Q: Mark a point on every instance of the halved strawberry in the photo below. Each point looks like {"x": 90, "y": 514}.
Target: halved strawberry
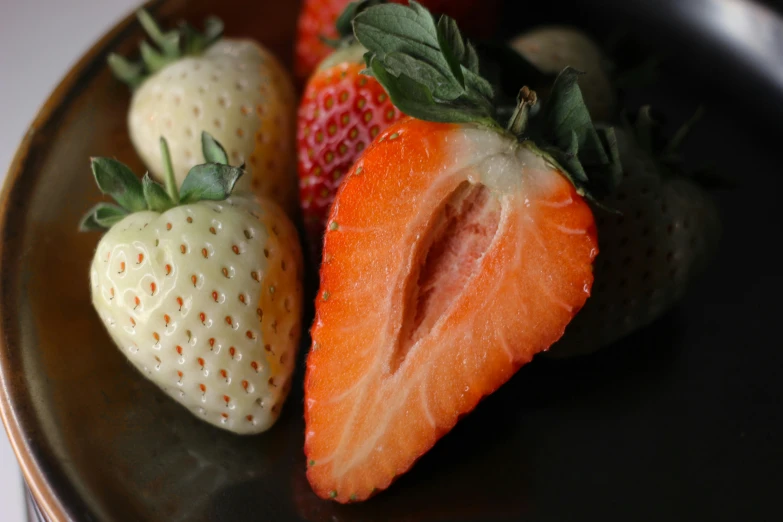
{"x": 455, "y": 251}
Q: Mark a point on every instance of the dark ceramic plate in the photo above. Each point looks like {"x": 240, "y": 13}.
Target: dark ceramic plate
{"x": 679, "y": 422}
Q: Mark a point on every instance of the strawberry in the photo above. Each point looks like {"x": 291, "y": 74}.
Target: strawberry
{"x": 200, "y": 289}
{"x": 552, "y": 48}
{"x": 341, "y": 112}
{"x": 234, "y": 89}
{"x": 665, "y": 231}
{"x": 317, "y": 22}
{"x": 456, "y": 249}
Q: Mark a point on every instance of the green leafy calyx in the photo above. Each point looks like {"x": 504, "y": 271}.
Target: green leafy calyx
{"x": 169, "y": 46}
{"x": 431, "y": 73}
{"x": 344, "y": 23}
{"x": 213, "y": 181}
{"x": 562, "y": 129}
{"x": 427, "y": 68}
{"x": 665, "y": 150}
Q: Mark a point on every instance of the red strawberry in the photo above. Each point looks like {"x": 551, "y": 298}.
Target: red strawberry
{"x": 341, "y": 112}
{"x": 456, "y": 250}
{"x": 317, "y": 19}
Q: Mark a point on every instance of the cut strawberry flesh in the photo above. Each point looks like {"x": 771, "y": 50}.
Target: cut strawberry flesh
{"x": 461, "y": 232}
{"x": 452, "y": 256}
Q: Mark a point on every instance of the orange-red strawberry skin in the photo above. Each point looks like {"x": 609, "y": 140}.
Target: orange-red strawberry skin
{"x": 317, "y": 18}
{"x": 341, "y": 112}
{"x": 377, "y": 396}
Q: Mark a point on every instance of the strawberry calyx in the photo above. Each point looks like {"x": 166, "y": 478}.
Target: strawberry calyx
{"x": 431, "y": 73}
{"x": 211, "y": 181}
{"x": 646, "y": 129}
{"x": 665, "y": 151}
{"x": 346, "y": 48}
{"x": 344, "y": 23}
{"x": 171, "y": 46}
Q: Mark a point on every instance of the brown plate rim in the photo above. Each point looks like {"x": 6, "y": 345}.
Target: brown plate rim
{"x": 16, "y": 190}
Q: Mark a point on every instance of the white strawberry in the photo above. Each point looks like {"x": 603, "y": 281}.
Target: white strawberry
{"x": 666, "y": 230}
{"x": 234, "y": 89}
{"x": 201, "y": 289}
{"x": 551, "y": 48}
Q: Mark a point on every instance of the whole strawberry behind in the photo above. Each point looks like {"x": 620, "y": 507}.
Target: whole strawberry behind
{"x": 341, "y": 112}
{"x": 234, "y": 89}
{"x": 659, "y": 228}
{"x": 456, "y": 249}
{"x": 664, "y": 232}
{"x": 200, "y": 289}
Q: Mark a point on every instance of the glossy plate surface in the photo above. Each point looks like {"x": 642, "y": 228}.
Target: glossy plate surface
{"x": 679, "y": 422}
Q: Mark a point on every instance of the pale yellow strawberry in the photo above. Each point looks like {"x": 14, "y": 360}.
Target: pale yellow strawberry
{"x": 236, "y": 90}
{"x": 202, "y": 294}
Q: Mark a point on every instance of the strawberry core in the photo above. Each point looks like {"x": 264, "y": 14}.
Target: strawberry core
{"x": 450, "y": 254}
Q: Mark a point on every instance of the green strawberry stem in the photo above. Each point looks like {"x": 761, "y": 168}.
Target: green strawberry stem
{"x": 211, "y": 181}
{"x": 518, "y": 122}
{"x": 171, "y": 180}
{"x": 431, "y": 73}
{"x": 171, "y": 46}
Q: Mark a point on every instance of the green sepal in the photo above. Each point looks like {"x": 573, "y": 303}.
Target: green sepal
{"x": 429, "y": 71}
{"x": 153, "y": 60}
{"x": 101, "y": 217}
{"x": 453, "y": 47}
{"x": 213, "y": 151}
{"x": 471, "y": 59}
{"x": 665, "y": 152}
{"x": 213, "y": 30}
{"x": 194, "y": 42}
{"x": 344, "y": 24}
{"x": 169, "y": 46}
{"x": 210, "y": 181}
{"x": 155, "y": 195}
{"x": 614, "y": 173}
{"x": 168, "y": 42}
{"x": 564, "y": 129}
{"x": 415, "y": 99}
{"x": 115, "y": 179}
{"x": 132, "y": 74}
